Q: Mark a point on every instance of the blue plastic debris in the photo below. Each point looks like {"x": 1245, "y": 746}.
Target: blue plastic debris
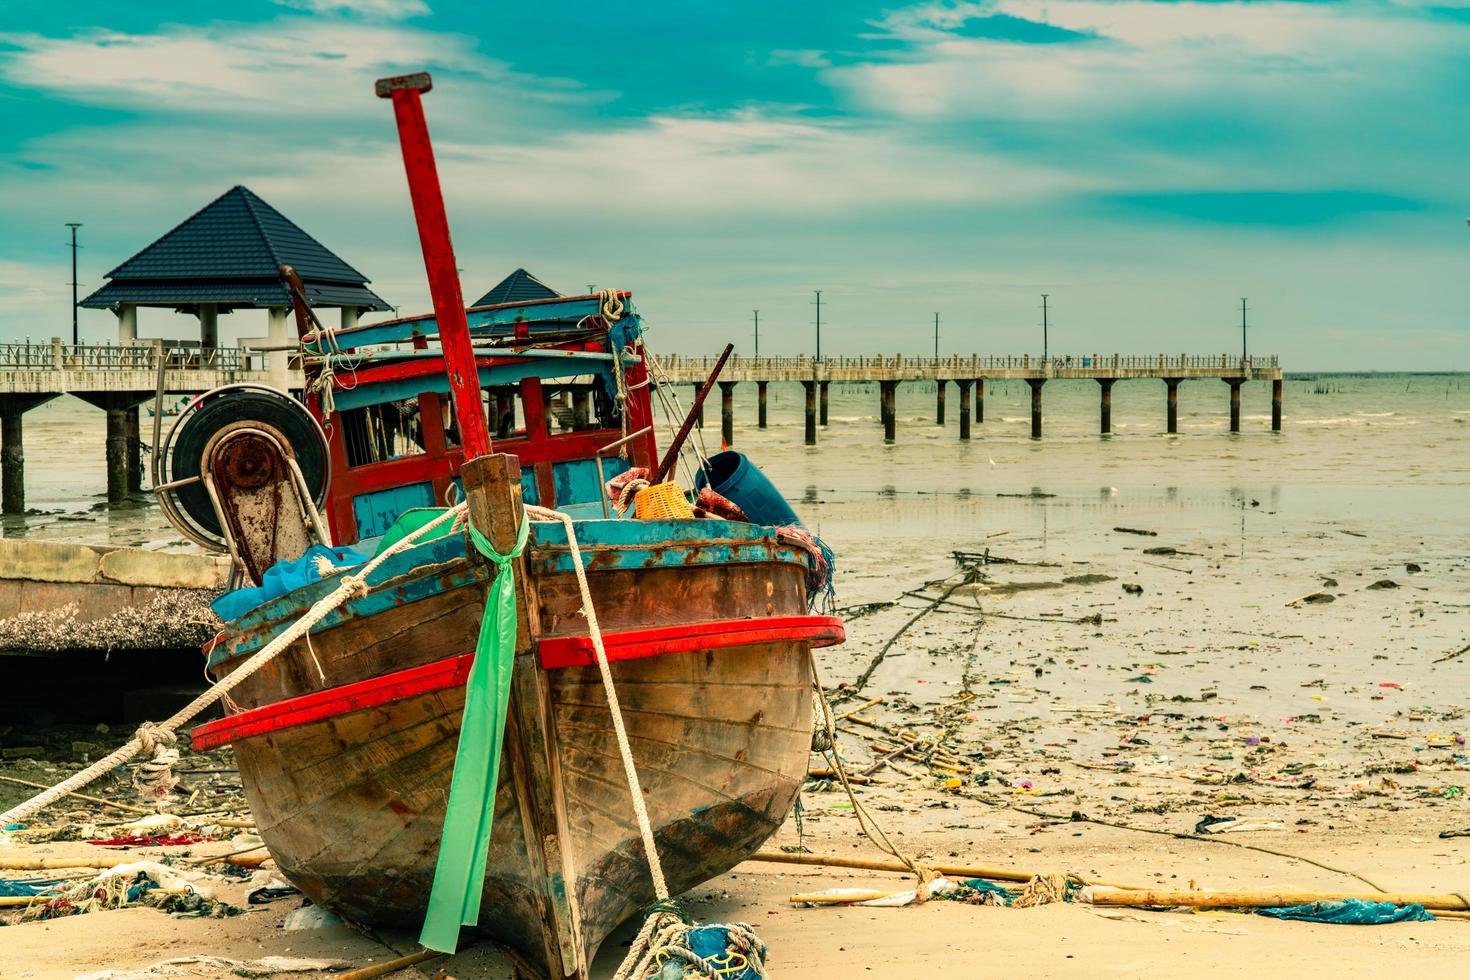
{"x": 1352, "y": 912}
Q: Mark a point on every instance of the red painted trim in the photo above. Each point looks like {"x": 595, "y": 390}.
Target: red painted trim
{"x": 577, "y": 651}
{"x": 321, "y": 705}
{"x": 570, "y": 651}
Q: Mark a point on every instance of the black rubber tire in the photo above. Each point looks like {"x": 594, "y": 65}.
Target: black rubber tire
{"x": 281, "y": 412}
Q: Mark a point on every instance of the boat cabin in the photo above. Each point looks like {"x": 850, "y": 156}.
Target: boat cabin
{"x": 563, "y": 381}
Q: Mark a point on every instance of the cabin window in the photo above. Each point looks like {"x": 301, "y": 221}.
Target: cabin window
{"x": 377, "y": 433}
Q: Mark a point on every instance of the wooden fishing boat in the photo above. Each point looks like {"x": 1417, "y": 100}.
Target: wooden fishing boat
{"x": 346, "y": 742}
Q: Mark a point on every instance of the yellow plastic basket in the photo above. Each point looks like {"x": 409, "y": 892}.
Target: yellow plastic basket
{"x": 664, "y": 502}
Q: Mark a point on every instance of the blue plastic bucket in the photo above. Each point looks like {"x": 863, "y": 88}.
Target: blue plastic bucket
{"x": 740, "y": 481}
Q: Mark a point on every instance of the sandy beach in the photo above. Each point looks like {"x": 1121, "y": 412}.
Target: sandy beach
{"x": 1092, "y": 692}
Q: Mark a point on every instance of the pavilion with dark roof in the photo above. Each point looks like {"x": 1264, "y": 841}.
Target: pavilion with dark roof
{"x": 225, "y": 258}
{"x": 518, "y": 287}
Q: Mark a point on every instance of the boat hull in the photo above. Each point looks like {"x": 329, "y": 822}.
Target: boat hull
{"x": 346, "y": 749}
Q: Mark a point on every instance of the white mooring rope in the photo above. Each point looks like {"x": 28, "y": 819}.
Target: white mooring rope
{"x": 664, "y": 934}
{"x": 158, "y": 737}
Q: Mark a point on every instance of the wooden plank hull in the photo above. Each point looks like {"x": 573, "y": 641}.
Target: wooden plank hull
{"x": 351, "y": 805}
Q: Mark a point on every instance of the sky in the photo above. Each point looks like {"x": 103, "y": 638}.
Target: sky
{"x": 1145, "y": 164}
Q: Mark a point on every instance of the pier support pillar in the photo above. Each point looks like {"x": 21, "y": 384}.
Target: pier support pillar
{"x": 133, "y": 449}
{"x": 964, "y": 387}
{"x": 1234, "y": 384}
{"x": 888, "y": 390}
{"x": 939, "y": 404}
{"x": 699, "y": 416}
{"x": 1106, "y": 421}
{"x": 12, "y": 453}
{"x": 124, "y": 455}
{"x": 760, "y": 400}
{"x": 1173, "y": 411}
{"x": 811, "y": 412}
{"x": 727, "y": 413}
{"x": 1276, "y": 405}
{"x": 1036, "y": 384}
{"x": 822, "y": 403}
{"x": 117, "y": 455}
{"x": 979, "y": 401}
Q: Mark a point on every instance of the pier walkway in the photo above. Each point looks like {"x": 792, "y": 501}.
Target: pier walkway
{"x": 117, "y": 379}
{"x": 970, "y": 372}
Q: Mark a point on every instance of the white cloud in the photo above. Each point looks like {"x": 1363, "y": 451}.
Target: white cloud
{"x": 287, "y": 69}
{"x": 1145, "y": 57}
{"x": 383, "y": 9}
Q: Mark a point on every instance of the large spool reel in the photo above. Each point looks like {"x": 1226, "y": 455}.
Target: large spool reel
{"x": 231, "y": 441}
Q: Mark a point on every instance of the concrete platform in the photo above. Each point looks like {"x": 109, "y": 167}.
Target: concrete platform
{"x": 57, "y": 596}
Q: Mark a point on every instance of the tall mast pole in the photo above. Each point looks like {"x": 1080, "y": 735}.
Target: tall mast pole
{"x": 406, "y": 91}
{"x": 757, "y": 314}
{"x": 936, "y": 335}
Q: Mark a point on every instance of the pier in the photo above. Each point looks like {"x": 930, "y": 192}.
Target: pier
{"x": 969, "y": 373}
{"x": 116, "y": 379}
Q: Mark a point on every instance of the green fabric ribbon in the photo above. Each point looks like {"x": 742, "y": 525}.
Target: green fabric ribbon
{"x": 460, "y": 874}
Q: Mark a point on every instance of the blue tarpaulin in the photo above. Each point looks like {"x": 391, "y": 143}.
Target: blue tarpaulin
{"x": 283, "y": 577}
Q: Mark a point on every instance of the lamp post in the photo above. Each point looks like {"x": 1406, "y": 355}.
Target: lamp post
{"x": 936, "y": 336}
{"x": 819, "y": 323}
{"x": 1242, "y": 332}
{"x": 75, "y": 336}
{"x": 1045, "y": 327}
{"x": 757, "y": 315}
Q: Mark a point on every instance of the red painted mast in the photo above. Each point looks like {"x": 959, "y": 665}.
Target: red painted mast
{"x": 428, "y": 209}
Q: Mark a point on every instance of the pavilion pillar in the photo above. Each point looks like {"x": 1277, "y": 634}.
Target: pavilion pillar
{"x": 727, "y": 413}
{"x": 1036, "y": 384}
{"x": 127, "y": 324}
{"x": 888, "y": 400}
{"x": 979, "y": 401}
{"x": 964, "y": 387}
{"x": 1173, "y": 406}
{"x": 1276, "y": 405}
{"x": 208, "y": 326}
{"x": 699, "y": 416}
{"x": 939, "y": 404}
{"x": 760, "y": 398}
{"x": 349, "y": 316}
{"x": 1106, "y": 412}
{"x": 822, "y": 402}
{"x": 1234, "y": 384}
{"x": 811, "y": 412}
{"x": 277, "y": 362}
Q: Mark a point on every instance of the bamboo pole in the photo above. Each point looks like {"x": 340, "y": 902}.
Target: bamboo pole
{"x": 251, "y": 858}
{"x": 846, "y": 899}
{"x": 389, "y": 966}
{"x": 1265, "y": 900}
{"x": 881, "y": 864}
{"x": 79, "y": 796}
